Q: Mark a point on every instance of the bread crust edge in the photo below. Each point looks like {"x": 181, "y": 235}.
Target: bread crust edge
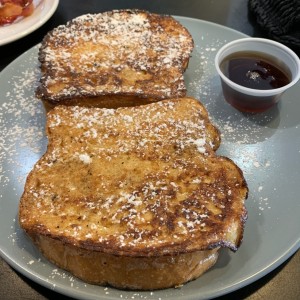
{"x": 124, "y": 272}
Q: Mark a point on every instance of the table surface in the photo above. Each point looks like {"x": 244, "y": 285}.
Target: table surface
{"x": 283, "y": 282}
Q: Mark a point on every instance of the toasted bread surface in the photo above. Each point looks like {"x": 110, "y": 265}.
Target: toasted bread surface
{"x": 126, "y": 272}
{"x": 136, "y": 182}
{"x": 121, "y": 53}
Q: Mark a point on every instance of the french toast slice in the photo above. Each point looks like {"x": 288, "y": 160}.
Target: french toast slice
{"x": 112, "y": 59}
{"x": 136, "y": 194}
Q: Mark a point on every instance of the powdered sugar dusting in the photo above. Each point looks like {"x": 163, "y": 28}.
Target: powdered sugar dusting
{"x": 112, "y": 178}
{"x": 22, "y": 143}
{"x": 21, "y": 125}
{"x": 246, "y": 138}
{"x": 133, "y": 52}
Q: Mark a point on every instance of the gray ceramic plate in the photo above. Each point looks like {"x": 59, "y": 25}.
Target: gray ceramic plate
{"x": 265, "y": 146}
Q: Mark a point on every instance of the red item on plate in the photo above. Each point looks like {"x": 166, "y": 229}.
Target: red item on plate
{"x": 10, "y": 10}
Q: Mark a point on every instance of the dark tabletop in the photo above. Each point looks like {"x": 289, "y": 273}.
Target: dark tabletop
{"x": 283, "y": 282}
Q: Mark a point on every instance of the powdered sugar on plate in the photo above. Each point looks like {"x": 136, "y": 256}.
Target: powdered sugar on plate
{"x": 22, "y": 138}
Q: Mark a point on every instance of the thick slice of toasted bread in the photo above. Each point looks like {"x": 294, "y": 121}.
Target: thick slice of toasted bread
{"x": 134, "y": 186}
{"x": 117, "y": 58}
{"x": 127, "y": 272}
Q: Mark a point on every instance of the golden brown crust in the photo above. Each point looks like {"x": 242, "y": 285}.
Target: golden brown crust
{"x": 134, "y": 197}
{"x": 122, "y": 52}
{"x": 125, "y": 272}
{"x": 107, "y": 101}
{"x": 141, "y": 181}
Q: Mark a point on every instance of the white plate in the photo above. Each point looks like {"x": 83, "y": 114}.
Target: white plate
{"x": 41, "y": 14}
{"x": 265, "y": 146}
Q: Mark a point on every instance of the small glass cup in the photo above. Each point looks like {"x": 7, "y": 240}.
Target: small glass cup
{"x": 256, "y": 100}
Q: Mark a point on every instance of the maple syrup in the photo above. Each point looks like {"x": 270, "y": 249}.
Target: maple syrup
{"x": 253, "y": 70}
